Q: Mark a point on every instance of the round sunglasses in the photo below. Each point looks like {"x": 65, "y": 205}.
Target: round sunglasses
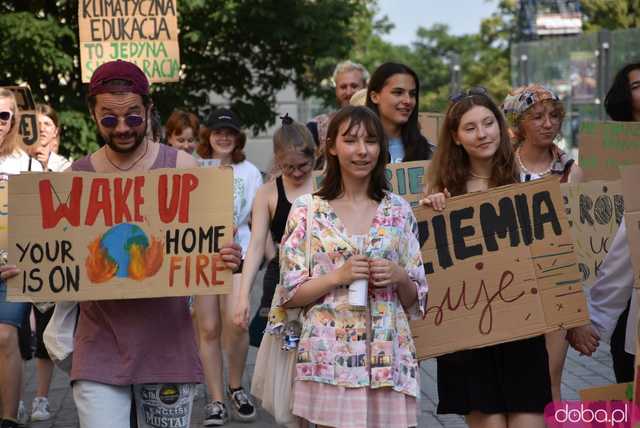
{"x": 5, "y": 116}
{"x": 131, "y": 120}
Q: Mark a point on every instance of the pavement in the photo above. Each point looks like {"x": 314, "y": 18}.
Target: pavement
{"x": 580, "y": 372}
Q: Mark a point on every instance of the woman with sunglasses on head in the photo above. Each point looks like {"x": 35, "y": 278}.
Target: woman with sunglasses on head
{"x": 182, "y": 130}
{"x": 505, "y": 385}
{"x": 354, "y": 229}
{"x": 394, "y": 93}
{"x": 13, "y": 160}
{"x": 222, "y": 138}
{"x": 535, "y": 115}
{"x": 293, "y": 151}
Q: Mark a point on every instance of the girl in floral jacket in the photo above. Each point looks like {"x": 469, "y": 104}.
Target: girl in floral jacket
{"x": 356, "y": 366}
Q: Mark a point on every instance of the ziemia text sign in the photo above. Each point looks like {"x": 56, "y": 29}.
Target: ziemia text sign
{"x": 501, "y": 266}
{"x": 84, "y": 236}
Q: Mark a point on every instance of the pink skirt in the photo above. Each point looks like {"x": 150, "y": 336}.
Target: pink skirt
{"x": 337, "y": 406}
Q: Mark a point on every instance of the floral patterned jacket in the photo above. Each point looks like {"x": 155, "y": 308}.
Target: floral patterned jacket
{"x": 341, "y": 344}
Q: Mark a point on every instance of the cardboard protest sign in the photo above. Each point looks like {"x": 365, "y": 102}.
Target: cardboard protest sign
{"x": 430, "y": 124}
{"x": 501, "y": 266}
{"x": 594, "y": 210}
{"x": 630, "y": 180}
{"x": 142, "y": 32}
{"x": 616, "y": 391}
{"x": 85, "y": 236}
{"x": 29, "y": 130}
{"x": 605, "y": 146}
{"x": 405, "y": 179}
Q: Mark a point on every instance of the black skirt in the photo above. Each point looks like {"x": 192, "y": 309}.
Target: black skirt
{"x": 506, "y": 378}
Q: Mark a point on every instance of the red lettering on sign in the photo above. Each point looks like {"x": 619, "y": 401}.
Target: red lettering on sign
{"x": 69, "y": 210}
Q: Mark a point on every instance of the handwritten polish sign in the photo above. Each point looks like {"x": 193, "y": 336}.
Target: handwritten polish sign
{"x": 605, "y": 146}
{"x": 405, "y": 179}
{"x": 29, "y": 130}
{"x": 84, "y": 236}
{"x": 594, "y": 210}
{"x": 139, "y": 31}
{"x": 501, "y": 266}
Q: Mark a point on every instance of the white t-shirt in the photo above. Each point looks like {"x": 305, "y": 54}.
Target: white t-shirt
{"x": 58, "y": 163}
{"x": 247, "y": 179}
{"x": 18, "y": 162}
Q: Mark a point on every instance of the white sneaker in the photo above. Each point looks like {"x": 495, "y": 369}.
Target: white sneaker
{"x": 23, "y": 416}
{"x": 40, "y": 409}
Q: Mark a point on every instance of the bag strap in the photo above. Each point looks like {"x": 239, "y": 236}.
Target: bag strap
{"x": 310, "y": 212}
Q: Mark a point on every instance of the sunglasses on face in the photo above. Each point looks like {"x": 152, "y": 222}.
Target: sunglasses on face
{"x": 5, "y": 115}
{"x": 459, "y": 96}
{"x": 131, "y": 120}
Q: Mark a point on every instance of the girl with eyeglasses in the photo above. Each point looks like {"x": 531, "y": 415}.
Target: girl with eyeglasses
{"x": 222, "y": 138}
{"x": 535, "y": 115}
{"x": 504, "y": 385}
{"x": 294, "y": 154}
{"x": 394, "y": 94}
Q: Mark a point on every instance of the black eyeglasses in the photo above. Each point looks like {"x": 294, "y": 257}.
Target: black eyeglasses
{"x": 5, "y": 115}
{"x": 476, "y": 90}
{"x": 132, "y": 121}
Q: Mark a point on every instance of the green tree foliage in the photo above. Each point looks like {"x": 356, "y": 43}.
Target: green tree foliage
{"x": 610, "y": 14}
{"x": 243, "y": 49}
{"x": 484, "y": 56}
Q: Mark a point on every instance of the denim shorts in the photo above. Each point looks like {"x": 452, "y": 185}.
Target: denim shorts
{"x": 11, "y": 313}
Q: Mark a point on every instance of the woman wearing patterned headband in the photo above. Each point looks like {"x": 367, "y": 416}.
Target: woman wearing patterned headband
{"x": 535, "y": 114}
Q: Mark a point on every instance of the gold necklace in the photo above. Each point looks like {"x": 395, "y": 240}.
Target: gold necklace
{"x": 146, "y": 148}
{"x": 481, "y": 177}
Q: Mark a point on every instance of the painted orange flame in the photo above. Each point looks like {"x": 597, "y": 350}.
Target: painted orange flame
{"x": 145, "y": 262}
{"x": 100, "y": 267}
{"x": 153, "y": 256}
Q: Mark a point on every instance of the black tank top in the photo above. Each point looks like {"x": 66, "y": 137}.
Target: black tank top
{"x": 283, "y": 207}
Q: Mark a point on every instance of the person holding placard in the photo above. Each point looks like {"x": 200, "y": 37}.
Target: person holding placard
{"x": 137, "y": 347}
{"x": 293, "y": 151}
{"x": 182, "y": 130}
{"x": 222, "y": 138}
{"x": 500, "y": 385}
{"x": 13, "y": 160}
{"x": 49, "y": 125}
{"x": 394, "y": 94}
{"x": 348, "y": 77}
{"x": 535, "y": 115}
{"x": 622, "y": 103}
{"x": 356, "y": 365}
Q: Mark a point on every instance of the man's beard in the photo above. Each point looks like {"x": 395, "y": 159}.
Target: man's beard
{"x": 138, "y": 139}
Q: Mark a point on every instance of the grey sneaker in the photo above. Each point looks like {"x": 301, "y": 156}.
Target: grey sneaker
{"x": 242, "y": 406}
{"x": 40, "y": 409}
{"x": 215, "y": 414}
